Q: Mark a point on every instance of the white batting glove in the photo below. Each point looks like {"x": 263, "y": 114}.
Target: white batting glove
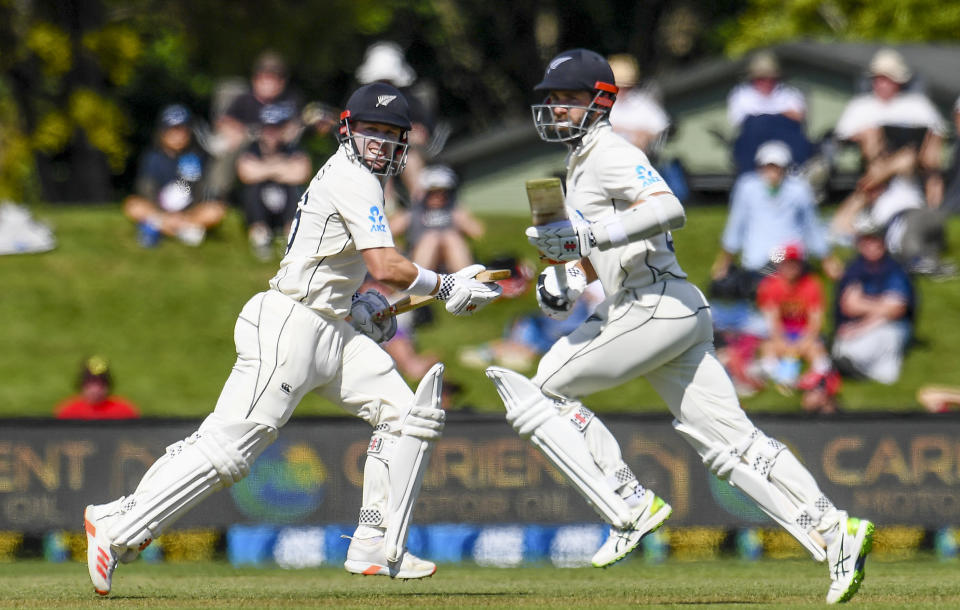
{"x": 363, "y": 316}
{"x": 464, "y": 295}
{"x": 558, "y": 288}
{"x": 563, "y": 240}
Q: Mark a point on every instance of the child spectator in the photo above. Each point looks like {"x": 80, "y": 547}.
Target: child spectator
{"x": 272, "y": 173}
{"x": 436, "y": 229}
{"x": 94, "y": 400}
{"x": 792, "y": 303}
{"x": 874, "y": 312}
{"x": 169, "y": 198}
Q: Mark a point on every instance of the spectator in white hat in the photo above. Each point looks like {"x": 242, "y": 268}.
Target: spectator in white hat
{"x": 636, "y": 114}
{"x": 384, "y": 61}
{"x": 900, "y": 135}
{"x": 769, "y": 208}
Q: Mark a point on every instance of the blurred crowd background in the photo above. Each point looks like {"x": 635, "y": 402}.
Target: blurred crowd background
{"x": 188, "y": 111}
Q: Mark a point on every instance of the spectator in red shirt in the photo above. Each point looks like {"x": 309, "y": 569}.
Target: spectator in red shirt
{"x": 94, "y": 400}
{"x": 792, "y": 304}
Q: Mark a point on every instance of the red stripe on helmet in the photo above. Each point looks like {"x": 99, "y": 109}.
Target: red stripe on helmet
{"x": 602, "y": 86}
{"x": 345, "y": 115}
{"x": 606, "y": 102}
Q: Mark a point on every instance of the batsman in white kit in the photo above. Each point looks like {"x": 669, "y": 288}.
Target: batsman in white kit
{"x": 653, "y": 323}
{"x": 311, "y": 331}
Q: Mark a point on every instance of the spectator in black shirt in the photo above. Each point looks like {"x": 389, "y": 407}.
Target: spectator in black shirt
{"x": 171, "y": 197}
{"x": 272, "y": 172}
{"x": 237, "y": 126}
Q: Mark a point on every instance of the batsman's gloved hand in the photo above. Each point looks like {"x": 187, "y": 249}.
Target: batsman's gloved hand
{"x": 563, "y": 240}
{"x": 363, "y": 316}
{"x": 464, "y": 295}
{"x": 558, "y": 288}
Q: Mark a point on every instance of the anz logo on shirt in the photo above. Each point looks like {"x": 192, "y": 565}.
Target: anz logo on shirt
{"x": 376, "y": 220}
{"x": 647, "y": 176}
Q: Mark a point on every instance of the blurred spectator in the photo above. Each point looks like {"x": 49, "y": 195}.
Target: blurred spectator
{"x": 384, "y": 61}
{"x": 94, "y": 400}
{"x": 792, "y": 303}
{"x": 236, "y": 127}
{"x": 272, "y": 172}
{"x": 530, "y": 336}
{"x": 769, "y": 208}
{"x": 874, "y": 312}
{"x": 951, "y": 197}
{"x": 171, "y": 186}
{"x": 436, "y": 228}
{"x": 636, "y": 115}
{"x": 764, "y": 108}
{"x": 639, "y": 117}
{"x": 939, "y": 398}
{"x": 899, "y": 133}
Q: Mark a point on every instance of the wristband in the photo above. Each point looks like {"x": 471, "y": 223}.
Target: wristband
{"x": 424, "y": 284}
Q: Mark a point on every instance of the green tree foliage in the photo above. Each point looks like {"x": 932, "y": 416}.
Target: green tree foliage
{"x": 81, "y": 81}
{"x": 766, "y": 22}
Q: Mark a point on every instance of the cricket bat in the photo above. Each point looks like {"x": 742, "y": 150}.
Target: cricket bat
{"x": 409, "y": 303}
{"x": 545, "y": 196}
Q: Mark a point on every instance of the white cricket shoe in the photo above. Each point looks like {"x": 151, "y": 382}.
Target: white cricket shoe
{"x": 367, "y": 556}
{"x": 101, "y": 559}
{"x": 650, "y": 515}
{"x": 847, "y": 556}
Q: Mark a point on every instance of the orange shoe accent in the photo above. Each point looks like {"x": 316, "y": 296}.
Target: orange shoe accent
{"x": 372, "y": 570}
{"x": 145, "y": 544}
{"x": 91, "y": 529}
{"x": 99, "y": 592}
{"x": 102, "y": 571}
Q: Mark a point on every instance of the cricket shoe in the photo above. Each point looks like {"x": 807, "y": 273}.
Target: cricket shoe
{"x": 650, "y": 515}
{"x": 367, "y": 556}
{"x": 847, "y": 556}
{"x": 101, "y": 558}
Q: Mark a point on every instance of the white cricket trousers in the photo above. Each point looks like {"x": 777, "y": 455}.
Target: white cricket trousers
{"x": 285, "y": 349}
{"x": 663, "y": 332}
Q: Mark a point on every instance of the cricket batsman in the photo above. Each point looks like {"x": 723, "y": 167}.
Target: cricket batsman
{"x": 653, "y": 323}
{"x": 296, "y": 338}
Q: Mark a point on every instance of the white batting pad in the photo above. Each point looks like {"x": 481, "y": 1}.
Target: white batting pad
{"x": 408, "y": 459}
{"x": 561, "y": 440}
{"x": 216, "y": 456}
{"x": 726, "y": 462}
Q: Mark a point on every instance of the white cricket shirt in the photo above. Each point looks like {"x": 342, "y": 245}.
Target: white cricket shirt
{"x": 908, "y": 109}
{"x": 340, "y": 214}
{"x": 606, "y": 174}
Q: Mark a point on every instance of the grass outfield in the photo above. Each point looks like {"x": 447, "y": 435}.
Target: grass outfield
{"x": 922, "y": 583}
{"x": 165, "y": 317}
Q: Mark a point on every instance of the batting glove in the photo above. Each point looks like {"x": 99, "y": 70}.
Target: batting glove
{"x": 558, "y": 288}
{"x": 464, "y": 295}
{"x": 363, "y": 316}
{"x": 562, "y": 240}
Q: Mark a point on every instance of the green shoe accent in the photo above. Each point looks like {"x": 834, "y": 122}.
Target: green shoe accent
{"x": 860, "y": 572}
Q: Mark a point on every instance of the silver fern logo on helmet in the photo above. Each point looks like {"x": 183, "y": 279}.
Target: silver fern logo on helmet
{"x": 556, "y": 62}
{"x": 383, "y": 100}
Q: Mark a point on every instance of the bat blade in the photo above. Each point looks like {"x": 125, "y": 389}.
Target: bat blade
{"x": 545, "y": 196}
